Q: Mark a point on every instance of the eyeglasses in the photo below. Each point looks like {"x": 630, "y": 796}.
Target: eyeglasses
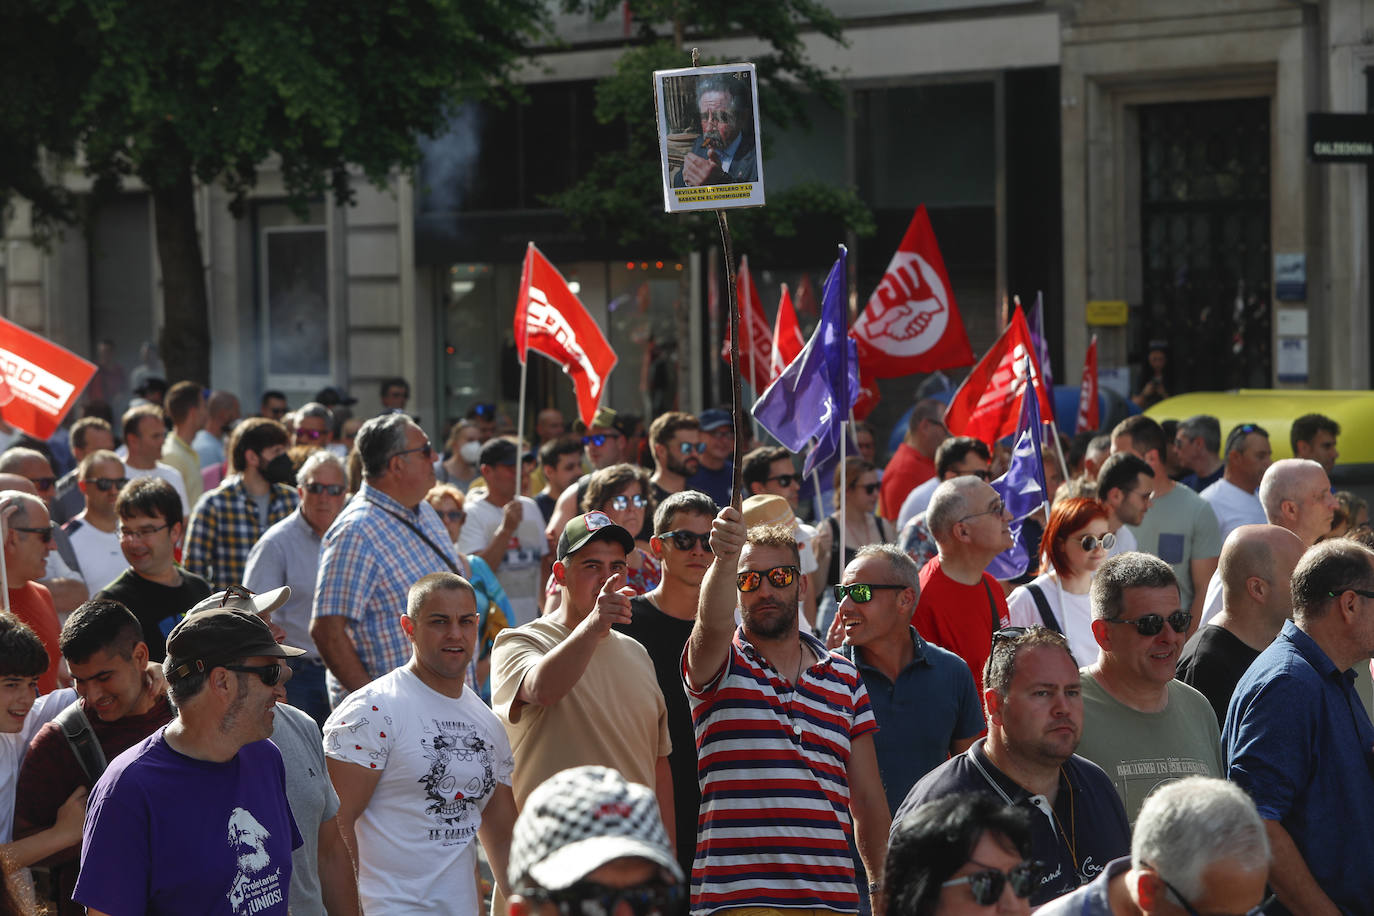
{"x": 587, "y": 898}
{"x": 778, "y": 577}
{"x": 622, "y": 502}
{"x": 861, "y": 592}
{"x": 1192, "y": 911}
{"x": 998, "y": 510}
{"x": 140, "y": 534}
{"x": 270, "y": 674}
{"x": 1152, "y": 624}
{"x": 599, "y": 439}
{"x": 688, "y": 447}
{"x": 44, "y": 534}
{"x": 1090, "y": 543}
{"x": 684, "y": 540}
{"x": 313, "y": 434}
{"x": 719, "y": 117}
{"x": 782, "y": 480}
{"x": 106, "y": 484}
{"x": 333, "y": 489}
{"x": 42, "y": 484}
{"x": 452, "y": 515}
{"x": 1341, "y": 591}
{"x": 426, "y": 450}
{"x": 986, "y": 886}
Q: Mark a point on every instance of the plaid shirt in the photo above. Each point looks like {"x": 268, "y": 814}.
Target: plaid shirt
{"x": 224, "y": 527}
{"x": 368, "y": 562}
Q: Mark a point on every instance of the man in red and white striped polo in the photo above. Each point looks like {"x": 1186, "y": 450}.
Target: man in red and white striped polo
{"x": 784, "y": 742}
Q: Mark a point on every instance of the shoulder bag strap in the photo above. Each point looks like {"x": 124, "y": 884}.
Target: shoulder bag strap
{"x": 76, "y": 728}
{"x": 992, "y": 606}
{"x": 1043, "y": 604}
{"x": 453, "y": 568}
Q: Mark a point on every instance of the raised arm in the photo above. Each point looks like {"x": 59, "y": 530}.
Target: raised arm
{"x": 709, "y": 645}
{"x": 554, "y": 675}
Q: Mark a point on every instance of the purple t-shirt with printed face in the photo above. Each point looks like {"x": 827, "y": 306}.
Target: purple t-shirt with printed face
{"x": 169, "y": 834}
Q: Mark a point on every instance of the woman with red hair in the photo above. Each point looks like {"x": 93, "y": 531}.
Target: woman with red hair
{"x": 1075, "y": 543}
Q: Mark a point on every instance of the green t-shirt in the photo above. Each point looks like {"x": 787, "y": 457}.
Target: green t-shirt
{"x": 1179, "y": 528}
{"x": 1141, "y": 751}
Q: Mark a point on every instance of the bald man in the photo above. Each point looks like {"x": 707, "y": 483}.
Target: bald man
{"x": 1255, "y": 569}
{"x": 1295, "y": 494}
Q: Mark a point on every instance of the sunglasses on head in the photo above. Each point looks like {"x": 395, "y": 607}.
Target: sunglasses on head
{"x": 986, "y": 886}
{"x": 778, "y": 577}
{"x": 588, "y": 898}
{"x": 270, "y": 674}
{"x": 1090, "y": 543}
{"x": 623, "y": 502}
{"x": 333, "y": 489}
{"x": 106, "y": 484}
{"x": 688, "y": 447}
{"x": 684, "y": 540}
{"x": 783, "y": 480}
{"x": 1152, "y": 624}
{"x": 860, "y": 592}
{"x": 44, "y": 534}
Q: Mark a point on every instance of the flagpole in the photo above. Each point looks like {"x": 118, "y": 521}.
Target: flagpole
{"x": 520, "y": 411}
{"x": 5, "y": 512}
{"x": 1059, "y": 449}
{"x": 736, "y": 394}
{"x": 749, "y": 347}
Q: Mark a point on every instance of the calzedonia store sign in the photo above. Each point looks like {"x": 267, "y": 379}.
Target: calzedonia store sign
{"x": 1340, "y": 137}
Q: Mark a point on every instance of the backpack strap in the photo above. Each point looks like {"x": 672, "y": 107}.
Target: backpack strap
{"x": 76, "y": 728}
{"x": 1041, "y": 602}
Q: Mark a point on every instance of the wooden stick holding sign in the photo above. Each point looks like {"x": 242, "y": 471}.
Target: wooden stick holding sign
{"x": 708, "y": 130}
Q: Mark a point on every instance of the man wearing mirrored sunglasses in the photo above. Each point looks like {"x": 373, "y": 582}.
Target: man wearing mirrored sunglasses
{"x": 1198, "y": 847}
{"x": 94, "y": 533}
{"x": 810, "y": 727}
{"x": 1140, "y": 724}
{"x": 141, "y": 850}
{"x": 675, "y": 439}
{"x": 288, "y": 553}
{"x": 1298, "y": 739}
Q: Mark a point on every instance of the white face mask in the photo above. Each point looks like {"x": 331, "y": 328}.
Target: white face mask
{"x": 470, "y": 452}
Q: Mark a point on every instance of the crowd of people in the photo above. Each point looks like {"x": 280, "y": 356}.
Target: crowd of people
{"x": 576, "y": 654}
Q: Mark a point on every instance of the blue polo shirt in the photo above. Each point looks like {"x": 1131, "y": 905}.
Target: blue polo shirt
{"x": 1297, "y": 738}
{"x": 932, "y": 703}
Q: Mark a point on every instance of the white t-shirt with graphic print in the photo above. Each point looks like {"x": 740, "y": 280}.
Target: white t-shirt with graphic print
{"x": 441, "y": 758}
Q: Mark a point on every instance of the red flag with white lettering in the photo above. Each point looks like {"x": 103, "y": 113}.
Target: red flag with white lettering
{"x": 40, "y": 380}
{"x": 987, "y": 405}
{"x": 1088, "y": 420}
{"x": 755, "y": 336}
{"x": 550, "y": 320}
{"x": 787, "y": 336}
{"x": 911, "y": 323}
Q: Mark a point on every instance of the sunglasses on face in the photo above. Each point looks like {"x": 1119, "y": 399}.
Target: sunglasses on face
{"x": 869, "y": 488}
{"x": 587, "y": 898}
{"x": 683, "y": 540}
{"x": 44, "y": 534}
{"x": 277, "y": 412}
{"x": 598, "y": 440}
{"x": 688, "y": 447}
{"x": 1090, "y": 543}
{"x": 1363, "y": 593}
{"x": 333, "y": 489}
{"x": 783, "y": 480}
{"x": 426, "y": 450}
{"x": 106, "y": 484}
{"x": 986, "y": 886}
{"x": 270, "y": 674}
{"x": 623, "y": 502}
{"x": 1152, "y": 624}
{"x": 861, "y": 592}
{"x": 453, "y": 515}
{"x": 1192, "y": 911}
{"x": 312, "y": 434}
{"x": 43, "y": 484}
{"x": 778, "y": 577}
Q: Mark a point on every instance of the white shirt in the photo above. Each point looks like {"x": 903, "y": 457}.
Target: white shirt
{"x": 1211, "y": 604}
{"x": 519, "y": 569}
{"x": 167, "y": 473}
{"x": 441, "y": 760}
{"x": 13, "y": 746}
{"x": 1073, "y": 613}
{"x": 1233, "y": 506}
{"x": 1125, "y": 543}
{"x": 98, "y": 553}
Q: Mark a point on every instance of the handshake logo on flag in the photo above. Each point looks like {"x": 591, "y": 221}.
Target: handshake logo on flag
{"x": 910, "y": 307}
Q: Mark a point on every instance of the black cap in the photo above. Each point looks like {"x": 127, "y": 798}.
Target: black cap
{"x": 499, "y": 451}
{"x": 331, "y": 397}
{"x": 206, "y": 638}
{"x": 714, "y": 418}
{"x": 584, "y": 529}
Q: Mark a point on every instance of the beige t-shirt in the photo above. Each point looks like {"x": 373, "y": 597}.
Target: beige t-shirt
{"x": 613, "y": 717}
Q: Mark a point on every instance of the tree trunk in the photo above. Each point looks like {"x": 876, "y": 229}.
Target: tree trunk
{"x": 184, "y": 343}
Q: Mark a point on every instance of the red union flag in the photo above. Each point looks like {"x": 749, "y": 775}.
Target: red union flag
{"x": 911, "y": 323}
{"x": 1088, "y": 420}
{"x": 550, "y": 320}
{"x": 787, "y": 336}
{"x": 755, "y": 336}
{"x": 987, "y": 405}
{"x": 40, "y": 380}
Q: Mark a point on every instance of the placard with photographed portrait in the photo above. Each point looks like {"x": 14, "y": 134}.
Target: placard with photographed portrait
{"x": 708, "y": 132}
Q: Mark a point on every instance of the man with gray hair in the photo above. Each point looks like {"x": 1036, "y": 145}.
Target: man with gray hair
{"x": 961, "y": 604}
{"x": 288, "y": 553}
{"x": 386, "y": 539}
{"x": 28, "y": 541}
{"x": 422, "y": 766}
{"x": 1299, "y": 740}
{"x": 314, "y": 426}
{"x": 1140, "y": 724}
{"x": 725, "y": 151}
{"x": 1197, "y": 441}
{"x": 922, "y": 696}
{"x": 1296, "y": 495}
{"x": 1199, "y": 847}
